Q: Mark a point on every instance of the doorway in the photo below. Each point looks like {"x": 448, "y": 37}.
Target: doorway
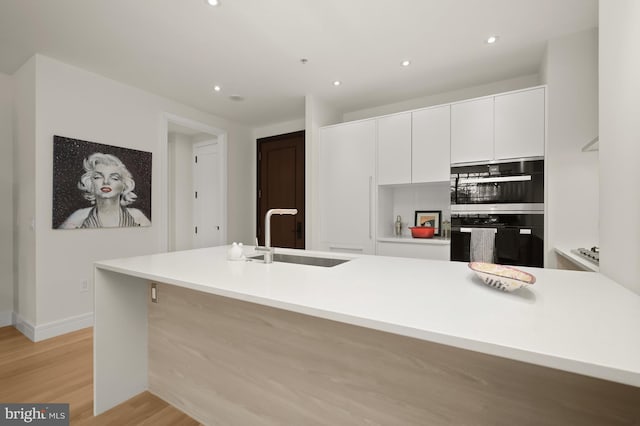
{"x": 281, "y": 174}
{"x": 185, "y": 212}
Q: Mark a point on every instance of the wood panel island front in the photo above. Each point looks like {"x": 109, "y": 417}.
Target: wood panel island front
{"x": 375, "y": 340}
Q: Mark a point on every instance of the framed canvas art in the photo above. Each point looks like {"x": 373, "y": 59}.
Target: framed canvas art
{"x": 99, "y": 186}
{"x": 429, "y": 218}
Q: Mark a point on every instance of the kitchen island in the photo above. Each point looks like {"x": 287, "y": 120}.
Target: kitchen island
{"x": 376, "y": 339}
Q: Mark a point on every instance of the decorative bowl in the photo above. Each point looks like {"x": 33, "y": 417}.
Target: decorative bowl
{"x": 422, "y": 231}
{"x": 502, "y": 277}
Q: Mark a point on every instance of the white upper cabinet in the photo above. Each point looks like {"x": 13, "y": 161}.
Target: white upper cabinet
{"x": 519, "y": 124}
{"x": 472, "y": 131}
{"x": 431, "y": 135}
{"x": 501, "y": 127}
{"x": 414, "y": 147}
{"x": 346, "y": 194}
{"x": 394, "y": 149}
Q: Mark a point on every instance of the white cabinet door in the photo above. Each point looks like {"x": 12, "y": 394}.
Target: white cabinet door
{"x": 394, "y": 149}
{"x": 431, "y": 144}
{"x": 346, "y": 187}
{"x": 519, "y": 124}
{"x": 472, "y": 131}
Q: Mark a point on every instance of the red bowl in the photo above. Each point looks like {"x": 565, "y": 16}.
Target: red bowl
{"x": 422, "y": 231}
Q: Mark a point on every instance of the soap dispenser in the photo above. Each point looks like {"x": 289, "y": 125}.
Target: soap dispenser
{"x": 235, "y": 252}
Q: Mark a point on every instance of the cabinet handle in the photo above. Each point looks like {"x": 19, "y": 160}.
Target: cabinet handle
{"x": 346, "y": 247}
{"x": 370, "y": 208}
{"x": 495, "y": 179}
{"x": 522, "y": 231}
{"x": 299, "y": 230}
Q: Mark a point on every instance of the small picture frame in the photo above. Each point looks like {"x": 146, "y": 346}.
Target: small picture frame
{"x": 429, "y": 218}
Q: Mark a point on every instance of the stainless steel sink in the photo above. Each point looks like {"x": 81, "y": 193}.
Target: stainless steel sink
{"x": 302, "y": 260}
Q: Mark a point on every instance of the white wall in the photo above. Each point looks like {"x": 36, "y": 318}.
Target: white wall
{"x": 446, "y": 97}
{"x": 241, "y": 184}
{"x": 78, "y": 104}
{"x": 24, "y": 243}
{"x": 279, "y": 128}
{"x": 572, "y": 110}
{"x": 620, "y": 142}
{"x": 180, "y": 192}
{"x": 171, "y": 190}
{"x": 6, "y": 194}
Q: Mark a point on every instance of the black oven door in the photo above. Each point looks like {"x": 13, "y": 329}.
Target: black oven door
{"x": 504, "y": 183}
{"x": 519, "y": 237}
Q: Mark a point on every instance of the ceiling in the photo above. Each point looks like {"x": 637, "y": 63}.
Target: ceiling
{"x": 180, "y": 49}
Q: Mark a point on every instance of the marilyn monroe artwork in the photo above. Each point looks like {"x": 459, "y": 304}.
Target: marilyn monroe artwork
{"x": 100, "y": 186}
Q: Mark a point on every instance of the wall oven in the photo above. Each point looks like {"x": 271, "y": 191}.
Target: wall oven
{"x": 507, "y": 198}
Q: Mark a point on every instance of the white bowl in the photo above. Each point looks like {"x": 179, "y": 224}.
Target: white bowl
{"x": 502, "y": 277}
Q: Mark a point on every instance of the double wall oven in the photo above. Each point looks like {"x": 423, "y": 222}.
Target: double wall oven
{"x": 507, "y": 198}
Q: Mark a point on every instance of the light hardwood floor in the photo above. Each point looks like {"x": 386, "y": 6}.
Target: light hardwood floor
{"x": 60, "y": 370}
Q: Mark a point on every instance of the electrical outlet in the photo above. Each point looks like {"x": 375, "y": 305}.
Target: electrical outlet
{"x": 84, "y": 286}
{"x": 154, "y": 293}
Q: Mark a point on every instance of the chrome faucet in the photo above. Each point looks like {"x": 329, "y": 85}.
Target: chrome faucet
{"x": 267, "y": 249}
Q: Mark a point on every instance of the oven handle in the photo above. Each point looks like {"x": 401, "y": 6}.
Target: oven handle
{"x": 503, "y": 208}
{"x": 523, "y": 231}
{"x": 495, "y": 179}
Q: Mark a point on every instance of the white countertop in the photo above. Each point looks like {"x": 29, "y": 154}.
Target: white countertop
{"x": 579, "y": 261}
{"x": 581, "y": 322}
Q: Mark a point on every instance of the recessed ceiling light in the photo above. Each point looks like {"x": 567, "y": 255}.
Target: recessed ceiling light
{"x": 406, "y": 63}
{"x": 217, "y": 88}
{"x": 237, "y": 98}
{"x": 492, "y": 39}
{"x": 337, "y": 83}
{"x": 212, "y": 2}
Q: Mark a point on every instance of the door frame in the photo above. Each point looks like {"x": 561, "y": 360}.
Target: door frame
{"x": 305, "y": 188}
{"x": 163, "y": 151}
{"x": 223, "y": 186}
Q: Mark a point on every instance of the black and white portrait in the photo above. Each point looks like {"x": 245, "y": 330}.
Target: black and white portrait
{"x": 99, "y": 186}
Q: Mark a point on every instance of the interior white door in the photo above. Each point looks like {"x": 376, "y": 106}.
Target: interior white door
{"x": 208, "y": 195}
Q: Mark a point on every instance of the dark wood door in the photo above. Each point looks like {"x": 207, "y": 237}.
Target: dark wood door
{"x": 281, "y": 185}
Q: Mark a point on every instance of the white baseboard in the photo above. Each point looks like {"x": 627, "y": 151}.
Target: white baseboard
{"x": 24, "y": 326}
{"x": 6, "y": 318}
{"x": 54, "y": 328}
{"x": 67, "y": 325}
